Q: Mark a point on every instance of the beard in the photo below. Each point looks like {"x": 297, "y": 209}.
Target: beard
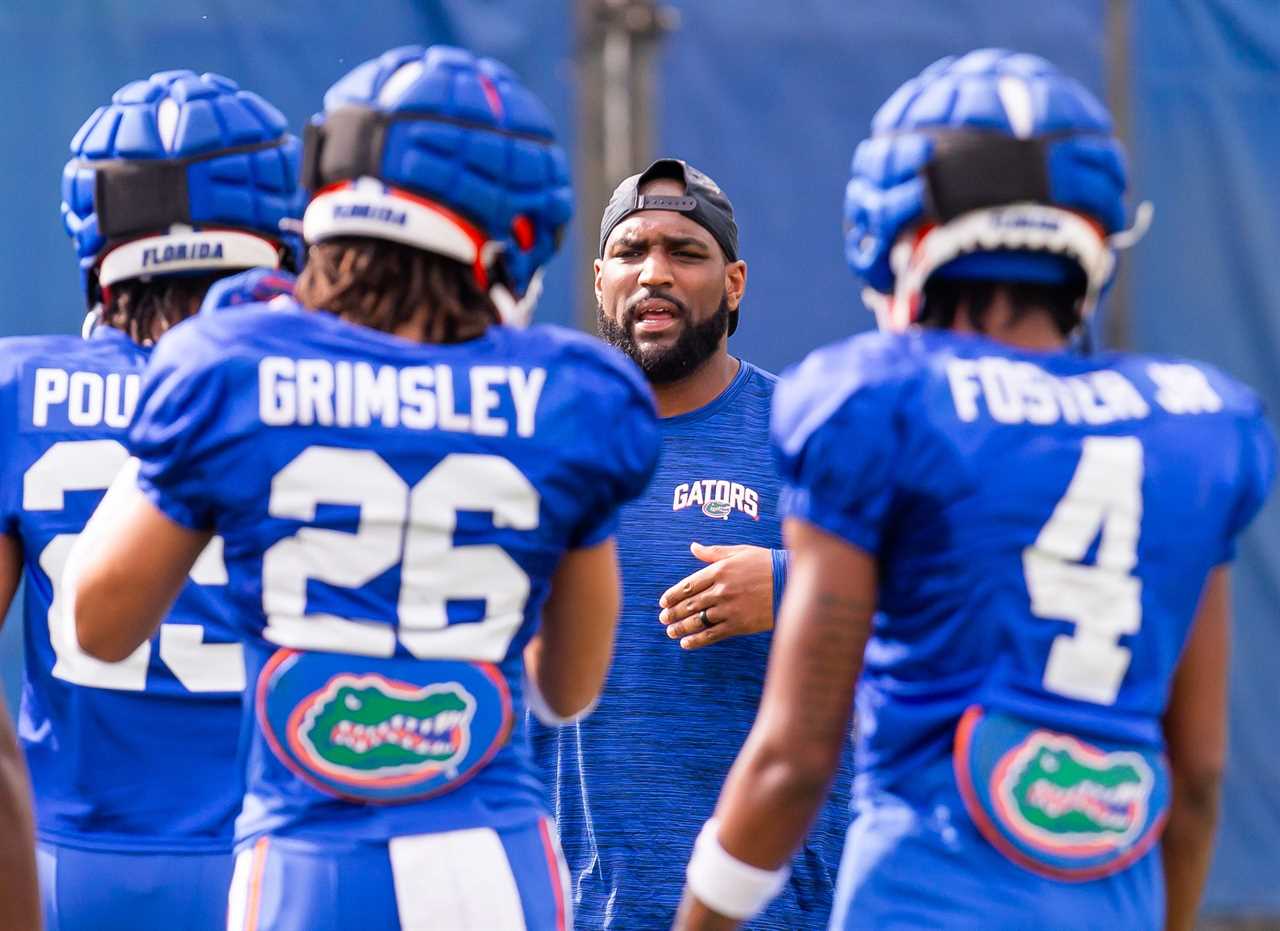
{"x": 662, "y": 365}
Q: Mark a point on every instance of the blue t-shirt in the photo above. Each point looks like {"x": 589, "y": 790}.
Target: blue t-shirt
{"x": 1043, "y": 523}
{"x": 393, "y": 514}
{"x": 634, "y": 782}
{"x": 137, "y": 755}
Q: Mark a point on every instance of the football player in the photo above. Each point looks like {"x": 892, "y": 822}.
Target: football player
{"x": 406, "y": 487}
{"x": 180, "y": 180}
{"x": 1043, "y": 538}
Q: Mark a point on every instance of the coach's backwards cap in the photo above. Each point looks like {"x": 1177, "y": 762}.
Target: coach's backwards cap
{"x": 703, "y": 202}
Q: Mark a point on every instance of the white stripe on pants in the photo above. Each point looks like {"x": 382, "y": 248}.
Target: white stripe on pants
{"x": 462, "y": 874}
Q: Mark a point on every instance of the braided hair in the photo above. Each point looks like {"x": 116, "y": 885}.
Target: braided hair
{"x": 944, "y": 296}
{"x": 144, "y": 308}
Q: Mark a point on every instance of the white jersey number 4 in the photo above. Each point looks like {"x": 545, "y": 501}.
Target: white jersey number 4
{"x": 1103, "y": 599}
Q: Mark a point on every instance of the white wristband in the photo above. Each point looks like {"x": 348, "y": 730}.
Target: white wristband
{"x": 727, "y": 885}
{"x": 538, "y": 706}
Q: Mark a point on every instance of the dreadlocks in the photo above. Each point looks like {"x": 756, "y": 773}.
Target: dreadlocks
{"x": 145, "y": 308}
{"x": 384, "y": 285}
{"x": 944, "y": 296}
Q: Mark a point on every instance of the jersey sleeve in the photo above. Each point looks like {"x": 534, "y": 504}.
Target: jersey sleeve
{"x": 838, "y": 442}
{"x": 255, "y": 286}
{"x": 1255, "y": 475}
{"x": 176, "y": 424}
{"x": 624, "y": 424}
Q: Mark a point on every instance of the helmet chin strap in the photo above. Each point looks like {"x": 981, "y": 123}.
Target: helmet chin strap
{"x": 879, "y": 305}
{"x": 92, "y": 320}
{"x": 1142, "y": 219}
{"x": 517, "y": 312}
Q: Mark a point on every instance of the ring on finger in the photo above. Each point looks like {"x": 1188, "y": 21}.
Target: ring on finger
{"x": 706, "y": 621}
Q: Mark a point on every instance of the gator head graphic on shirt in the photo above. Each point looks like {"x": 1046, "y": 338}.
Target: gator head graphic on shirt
{"x": 366, "y": 727}
{"x": 1065, "y": 794}
{"x": 382, "y": 730}
{"x": 1056, "y": 804}
{"x": 717, "y": 509}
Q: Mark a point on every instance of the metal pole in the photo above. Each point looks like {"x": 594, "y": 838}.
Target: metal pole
{"x": 619, "y": 136}
{"x": 617, "y": 41}
{"x": 1117, "y": 327}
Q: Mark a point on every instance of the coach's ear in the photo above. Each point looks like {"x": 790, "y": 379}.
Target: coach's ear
{"x": 598, "y": 266}
{"x": 735, "y": 282}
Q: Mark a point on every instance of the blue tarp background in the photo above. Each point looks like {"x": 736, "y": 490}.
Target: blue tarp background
{"x": 1206, "y": 122}
{"x": 64, "y": 58}
{"x": 770, "y": 99}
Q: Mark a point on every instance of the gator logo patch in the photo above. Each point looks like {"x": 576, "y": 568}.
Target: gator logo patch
{"x": 717, "y": 509}
{"x": 1054, "y": 804}
{"x": 382, "y": 730}
{"x": 1065, "y": 796}
{"x": 368, "y": 728}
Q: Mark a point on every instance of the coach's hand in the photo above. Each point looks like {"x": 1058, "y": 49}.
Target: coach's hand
{"x": 735, "y": 590}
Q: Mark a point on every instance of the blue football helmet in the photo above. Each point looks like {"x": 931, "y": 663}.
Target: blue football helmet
{"x": 439, "y": 149}
{"x": 181, "y": 173}
{"x": 992, "y": 165}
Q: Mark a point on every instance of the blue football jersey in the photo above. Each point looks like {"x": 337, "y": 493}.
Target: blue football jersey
{"x": 393, "y": 514}
{"x": 1043, "y": 523}
{"x": 138, "y": 755}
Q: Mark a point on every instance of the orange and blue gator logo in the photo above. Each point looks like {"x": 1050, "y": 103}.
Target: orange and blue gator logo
{"x": 1055, "y": 804}
{"x": 382, "y": 730}
{"x": 368, "y": 730}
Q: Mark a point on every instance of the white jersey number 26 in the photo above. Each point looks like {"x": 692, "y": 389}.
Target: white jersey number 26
{"x": 1103, "y": 599}
{"x": 413, "y": 527}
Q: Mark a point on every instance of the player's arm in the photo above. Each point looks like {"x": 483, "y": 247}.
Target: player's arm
{"x": 569, "y": 657}
{"x": 10, "y": 571}
{"x": 782, "y": 775}
{"x": 126, "y": 570}
{"x": 19, "y": 897}
{"x": 132, "y": 559}
{"x": 1195, "y": 727}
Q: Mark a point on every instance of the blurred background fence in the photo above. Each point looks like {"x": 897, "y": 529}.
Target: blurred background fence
{"x": 769, "y": 98}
